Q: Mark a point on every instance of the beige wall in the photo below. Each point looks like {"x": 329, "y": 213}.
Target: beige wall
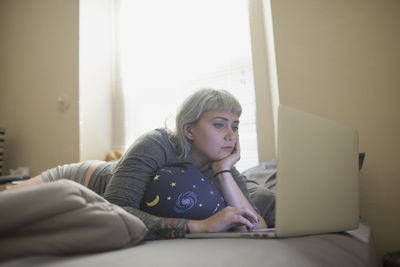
{"x": 340, "y": 59}
{"x": 38, "y": 65}
{"x": 263, "y": 82}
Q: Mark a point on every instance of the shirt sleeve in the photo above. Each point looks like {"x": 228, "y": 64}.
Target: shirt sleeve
{"x": 242, "y": 185}
{"x": 137, "y": 167}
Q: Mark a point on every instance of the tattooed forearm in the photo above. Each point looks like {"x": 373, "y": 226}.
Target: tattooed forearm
{"x": 161, "y": 228}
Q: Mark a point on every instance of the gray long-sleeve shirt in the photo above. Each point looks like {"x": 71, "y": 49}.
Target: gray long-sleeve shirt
{"x": 135, "y": 170}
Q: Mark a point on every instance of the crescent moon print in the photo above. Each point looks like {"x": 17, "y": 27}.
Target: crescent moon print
{"x": 165, "y": 170}
{"x": 185, "y": 202}
{"x": 216, "y": 208}
{"x": 154, "y": 202}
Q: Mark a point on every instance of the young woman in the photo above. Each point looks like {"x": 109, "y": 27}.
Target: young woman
{"x": 206, "y": 136}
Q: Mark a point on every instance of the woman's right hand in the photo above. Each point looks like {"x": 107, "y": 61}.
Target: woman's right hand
{"x": 224, "y": 220}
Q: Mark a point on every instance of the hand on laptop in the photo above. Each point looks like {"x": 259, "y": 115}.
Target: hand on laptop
{"x": 224, "y": 220}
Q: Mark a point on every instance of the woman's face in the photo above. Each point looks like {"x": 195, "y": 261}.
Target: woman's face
{"x": 213, "y": 136}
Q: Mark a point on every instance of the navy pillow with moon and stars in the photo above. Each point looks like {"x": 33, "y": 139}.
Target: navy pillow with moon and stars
{"x": 181, "y": 191}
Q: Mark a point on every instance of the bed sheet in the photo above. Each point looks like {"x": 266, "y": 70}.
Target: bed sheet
{"x": 352, "y": 248}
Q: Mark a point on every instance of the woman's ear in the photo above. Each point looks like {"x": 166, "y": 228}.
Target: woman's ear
{"x": 187, "y": 130}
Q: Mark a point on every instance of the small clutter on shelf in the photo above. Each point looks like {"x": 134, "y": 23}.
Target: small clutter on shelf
{"x": 2, "y": 138}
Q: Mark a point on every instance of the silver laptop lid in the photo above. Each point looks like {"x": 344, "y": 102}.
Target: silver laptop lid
{"x": 317, "y": 184}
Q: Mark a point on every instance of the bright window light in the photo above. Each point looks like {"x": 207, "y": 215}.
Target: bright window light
{"x": 168, "y": 49}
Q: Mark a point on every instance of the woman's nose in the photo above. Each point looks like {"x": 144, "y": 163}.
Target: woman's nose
{"x": 230, "y": 135}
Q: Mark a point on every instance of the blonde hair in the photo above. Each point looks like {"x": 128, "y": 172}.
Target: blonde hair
{"x": 193, "y": 107}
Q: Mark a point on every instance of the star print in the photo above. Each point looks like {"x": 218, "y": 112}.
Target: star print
{"x": 168, "y": 198}
{"x": 200, "y": 205}
{"x": 156, "y": 177}
{"x": 194, "y": 186}
{"x": 212, "y": 192}
{"x": 202, "y": 179}
{"x": 173, "y": 184}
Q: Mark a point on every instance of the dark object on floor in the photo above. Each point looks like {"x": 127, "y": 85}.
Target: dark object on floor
{"x": 391, "y": 259}
{"x": 12, "y": 178}
{"x": 361, "y": 157}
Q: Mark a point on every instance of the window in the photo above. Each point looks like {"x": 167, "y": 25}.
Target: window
{"x": 168, "y": 49}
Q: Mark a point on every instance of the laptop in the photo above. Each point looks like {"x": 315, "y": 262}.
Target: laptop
{"x": 317, "y": 179}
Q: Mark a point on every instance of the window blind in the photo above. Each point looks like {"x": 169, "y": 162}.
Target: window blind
{"x": 168, "y": 49}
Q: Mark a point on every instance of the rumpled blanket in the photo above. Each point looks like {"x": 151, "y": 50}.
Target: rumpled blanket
{"x": 62, "y": 218}
{"x": 261, "y": 183}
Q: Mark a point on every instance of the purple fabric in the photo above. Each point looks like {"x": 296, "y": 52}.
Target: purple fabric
{"x": 181, "y": 191}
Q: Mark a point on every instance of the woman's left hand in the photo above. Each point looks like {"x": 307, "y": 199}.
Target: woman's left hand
{"x": 228, "y": 162}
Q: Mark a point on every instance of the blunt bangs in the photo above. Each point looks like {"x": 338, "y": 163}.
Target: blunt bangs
{"x": 194, "y": 106}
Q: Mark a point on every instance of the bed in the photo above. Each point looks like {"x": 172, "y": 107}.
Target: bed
{"x": 88, "y": 231}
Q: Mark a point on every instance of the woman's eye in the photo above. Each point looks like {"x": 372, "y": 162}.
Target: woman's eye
{"x": 235, "y": 128}
{"x": 218, "y": 125}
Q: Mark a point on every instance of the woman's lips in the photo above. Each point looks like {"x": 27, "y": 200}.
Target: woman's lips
{"x": 230, "y": 148}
